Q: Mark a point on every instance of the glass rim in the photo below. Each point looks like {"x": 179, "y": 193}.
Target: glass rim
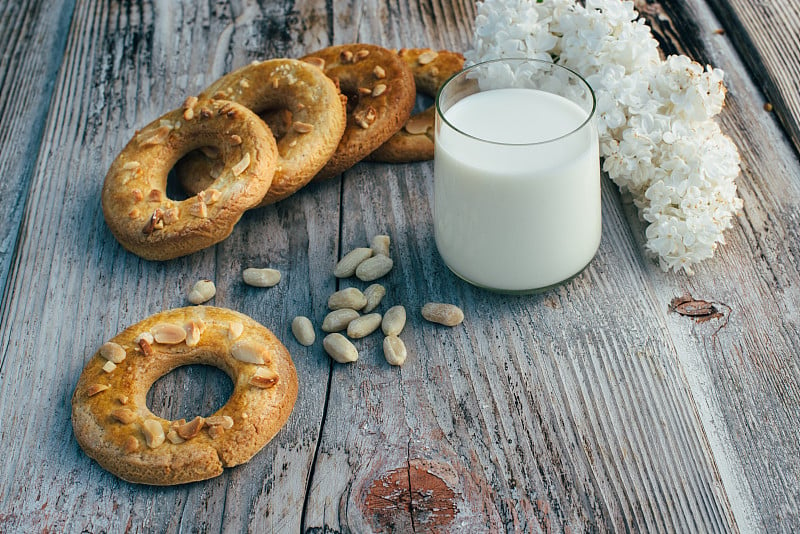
{"x": 462, "y": 72}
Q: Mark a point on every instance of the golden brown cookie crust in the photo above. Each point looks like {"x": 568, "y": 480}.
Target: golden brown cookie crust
{"x": 110, "y": 417}
{"x": 380, "y": 91}
{"x": 414, "y": 142}
{"x": 315, "y": 111}
{"x": 135, "y": 204}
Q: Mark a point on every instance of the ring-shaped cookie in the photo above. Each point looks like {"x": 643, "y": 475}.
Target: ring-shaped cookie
{"x": 380, "y": 96}
{"x": 114, "y": 426}
{"x": 135, "y": 204}
{"x": 313, "y": 104}
{"x": 414, "y": 142}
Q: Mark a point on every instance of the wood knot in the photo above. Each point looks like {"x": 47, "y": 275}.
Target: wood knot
{"x": 405, "y": 499}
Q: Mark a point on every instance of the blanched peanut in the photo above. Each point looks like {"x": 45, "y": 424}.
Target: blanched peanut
{"x": 338, "y": 320}
{"x": 339, "y": 348}
{"x": 352, "y": 297}
{"x": 394, "y": 350}
{"x": 303, "y": 330}
{"x": 380, "y": 245}
{"x": 374, "y": 268}
{"x": 364, "y": 325}
{"x": 374, "y": 295}
{"x": 348, "y": 264}
{"x": 261, "y": 277}
{"x": 446, "y": 314}
{"x": 203, "y": 291}
{"x": 394, "y": 320}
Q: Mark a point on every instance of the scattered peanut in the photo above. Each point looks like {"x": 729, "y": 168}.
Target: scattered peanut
{"x": 193, "y": 331}
{"x": 337, "y": 320}
{"x": 303, "y": 330}
{"x": 351, "y": 297}
{"x": 190, "y": 429}
{"x": 350, "y": 261}
{"x": 225, "y": 421}
{"x": 112, "y": 352}
{"x": 339, "y": 348}
{"x": 264, "y": 378}
{"x": 380, "y": 245}
{"x": 261, "y": 277}
{"x": 446, "y": 314}
{"x": 203, "y": 291}
{"x": 374, "y": 268}
{"x": 394, "y": 320}
{"x": 174, "y": 438}
{"x": 374, "y": 295}
{"x": 394, "y": 350}
{"x": 364, "y": 325}
{"x": 109, "y": 366}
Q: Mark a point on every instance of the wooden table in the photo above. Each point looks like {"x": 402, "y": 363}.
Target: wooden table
{"x": 590, "y": 407}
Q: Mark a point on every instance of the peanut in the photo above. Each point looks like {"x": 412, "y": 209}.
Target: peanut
{"x": 351, "y": 297}
{"x": 113, "y": 352}
{"x": 261, "y": 277}
{"x": 168, "y": 333}
{"x": 250, "y": 352}
{"x": 394, "y": 320}
{"x": 374, "y": 295}
{"x": 153, "y": 433}
{"x": 203, "y": 291}
{"x": 303, "y": 331}
{"x": 374, "y": 268}
{"x": 363, "y": 326}
{"x": 339, "y": 348}
{"x": 380, "y": 245}
{"x": 338, "y": 320}
{"x": 394, "y": 350}
{"x": 446, "y": 314}
{"x": 350, "y": 261}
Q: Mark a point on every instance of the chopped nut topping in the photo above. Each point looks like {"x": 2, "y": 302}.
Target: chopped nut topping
{"x": 226, "y": 109}
{"x": 131, "y": 165}
{"x": 174, "y": 438}
{"x": 300, "y": 106}
{"x": 131, "y": 445}
{"x": 147, "y": 336}
{"x": 220, "y": 95}
{"x": 417, "y": 125}
{"x": 156, "y": 222}
{"x": 427, "y": 57}
{"x": 211, "y": 152}
{"x": 302, "y": 127}
{"x": 112, "y": 352}
{"x": 199, "y": 209}
{"x": 235, "y": 329}
{"x": 215, "y": 431}
{"x": 172, "y": 215}
{"x": 225, "y": 421}
{"x": 147, "y": 349}
{"x": 193, "y": 331}
{"x": 134, "y": 213}
{"x": 123, "y": 399}
{"x": 168, "y": 333}
{"x": 109, "y": 366}
{"x": 137, "y": 195}
{"x": 264, "y": 378}
{"x": 379, "y": 89}
{"x": 205, "y": 113}
{"x": 365, "y": 118}
{"x": 155, "y": 195}
{"x": 361, "y": 54}
{"x": 434, "y": 71}
{"x": 346, "y": 56}
{"x": 191, "y": 429}
{"x": 123, "y": 415}
{"x": 156, "y": 137}
{"x": 364, "y": 91}
{"x": 189, "y": 102}
{"x": 379, "y": 72}
{"x": 153, "y": 433}
{"x": 244, "y": 83}
{"x": 275, "y": 83}
{"x": 293, "y": 143}
{"x": 250, "y": 352}
{"x": 94, "y": 389}
{"x": 188, "y": 114}
{"x": 240, "y": 167}
{"x": 236, "y": 140}
{"x": 209, "y": 196}
{"x": 316, "y": 61}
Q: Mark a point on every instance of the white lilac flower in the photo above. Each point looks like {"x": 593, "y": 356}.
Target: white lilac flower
{"x": 657, "y": 138}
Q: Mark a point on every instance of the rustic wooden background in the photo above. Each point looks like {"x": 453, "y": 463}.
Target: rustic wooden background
{"x": 591, "y": 407}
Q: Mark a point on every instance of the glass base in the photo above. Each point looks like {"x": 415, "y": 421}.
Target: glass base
{"x": 532, "y": 291}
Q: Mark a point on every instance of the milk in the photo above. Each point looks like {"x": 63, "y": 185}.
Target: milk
{"x": 514, "y": 209}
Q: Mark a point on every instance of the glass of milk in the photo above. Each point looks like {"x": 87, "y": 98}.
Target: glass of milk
{"x": 516, "y": 175}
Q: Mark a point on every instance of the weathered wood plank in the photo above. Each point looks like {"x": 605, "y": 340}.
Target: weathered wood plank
{"x": 74, "y": 286}
{"x": 742, "y": 368}
{"x": 767, "y": 36}
{"x": 26, "y": 85}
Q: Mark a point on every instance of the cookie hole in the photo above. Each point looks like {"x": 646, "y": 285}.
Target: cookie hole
{"x": 174, "y": 189}
{"x": 422, "y": 103}
{"x": 189, "y": 391}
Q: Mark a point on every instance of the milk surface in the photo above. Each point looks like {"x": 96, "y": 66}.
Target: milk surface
{"x": 515, "y": 209}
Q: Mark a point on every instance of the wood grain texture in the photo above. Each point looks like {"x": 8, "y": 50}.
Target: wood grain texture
{"x": 26, "y": 85}
{"x": 591, "y": 407}
{"x": 767, "y": 36}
